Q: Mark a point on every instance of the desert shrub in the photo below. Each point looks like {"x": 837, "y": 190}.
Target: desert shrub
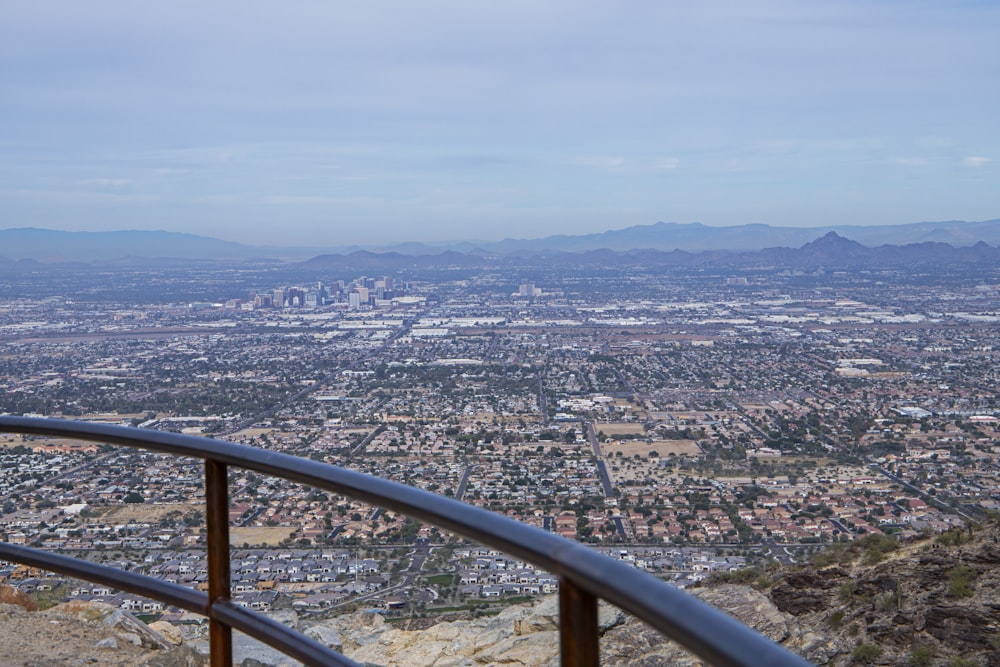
{"x": 963, "y": 662}
{"x": 866, "y": 653}
{"x": 890, "y": 601}
{"x": 876, "y": 547}
{"x": 953, "y": 538}
{"x": 960, "y": 581}
{"x": 922, "y": 656}
{"x": 832, "y": 555}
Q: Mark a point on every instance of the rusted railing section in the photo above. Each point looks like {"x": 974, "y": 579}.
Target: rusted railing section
{"x": 585, "y": 575}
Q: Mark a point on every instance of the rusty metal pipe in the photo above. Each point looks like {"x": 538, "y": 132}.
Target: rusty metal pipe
{"x": 220, "y": 635}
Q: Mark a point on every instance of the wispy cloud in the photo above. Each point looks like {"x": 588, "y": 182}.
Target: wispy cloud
{"x": 666, "y": 163}
{"x": 105, "y": 182}
{"x": 976, "y": 161}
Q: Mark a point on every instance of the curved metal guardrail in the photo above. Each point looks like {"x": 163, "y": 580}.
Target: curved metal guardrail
{"x": 584, "y": 574}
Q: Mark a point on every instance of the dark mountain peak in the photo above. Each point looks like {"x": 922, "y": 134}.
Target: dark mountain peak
{"x": 832, "y": 240}
{"x": 832, "y": 248}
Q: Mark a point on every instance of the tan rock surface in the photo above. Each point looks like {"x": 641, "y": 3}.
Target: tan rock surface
{"x": 10, "y": 595}
{"x": 80, "y": 633}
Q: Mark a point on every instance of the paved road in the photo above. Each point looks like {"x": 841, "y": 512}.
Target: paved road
{"x": 624, "y": 529}
{"x": 624, "y": 381}
{"x": 602, "y": 469}
{"x": 779, "y": 552}
{"x": 929, "y": 499}
{"x": 364, "y": 443}
{"x": 460, "y": 493}
{"x": 421, "y": 552}
{"x": 543, "y": 406}
{"x": 839, "y": 525}
{"x": 252, "y": 516}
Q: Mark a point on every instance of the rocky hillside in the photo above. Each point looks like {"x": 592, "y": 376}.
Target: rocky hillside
{"x": 922, "y": 604}
{"x": 932, "y": 602}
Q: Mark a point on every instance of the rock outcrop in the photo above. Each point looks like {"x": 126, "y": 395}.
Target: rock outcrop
{"x": 930, "y": 602}
{"x": 85, "y": 633}
{"x": 11, "y": 595}
{"x": 528, "y": 635}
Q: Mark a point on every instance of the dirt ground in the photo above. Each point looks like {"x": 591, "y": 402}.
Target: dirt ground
{"x": 259, "y": 535}
{"x": 662, "y": 447}
{"x": 612, "y": 430}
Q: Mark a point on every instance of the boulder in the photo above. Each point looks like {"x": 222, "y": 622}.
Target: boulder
{"x": 11, "y": 595}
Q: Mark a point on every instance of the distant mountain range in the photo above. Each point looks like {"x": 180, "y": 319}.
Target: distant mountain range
{"x": 660, "y": 243}
{"x": 48, "y": 245}
{"x": 830, "y": 251}
{"x": 696, "y": 237}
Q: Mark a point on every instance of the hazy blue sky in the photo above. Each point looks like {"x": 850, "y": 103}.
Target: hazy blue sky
{"x": 335, "y": 122}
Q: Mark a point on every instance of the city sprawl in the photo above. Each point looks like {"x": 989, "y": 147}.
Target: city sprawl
{"x": 688, "y": 422}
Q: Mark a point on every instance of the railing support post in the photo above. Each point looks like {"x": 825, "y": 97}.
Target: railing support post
{"x": 577, "y": 626}
{"x": 220, "y": 636}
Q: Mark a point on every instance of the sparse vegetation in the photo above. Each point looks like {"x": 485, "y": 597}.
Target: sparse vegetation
{"x": 50, "y": 598}
{"x": 954, "y": 538}
{"x": 760, "y": 577}
{"x": 960, "y": 581}
{"x": 846, "y": 591}
{"x": 875, "y": 547}
{"x": 866, "y": 654}
{"x": 922, "y": 656}
{"x": 890, "y": 601}
{"x": 962, "y": 662}
{"x": 835, "y": 554}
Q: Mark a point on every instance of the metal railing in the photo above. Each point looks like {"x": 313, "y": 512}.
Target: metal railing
{"x": 584, "y": 574}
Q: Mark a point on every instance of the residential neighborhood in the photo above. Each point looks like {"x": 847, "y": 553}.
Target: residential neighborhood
{"x": 685, "y": 423}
